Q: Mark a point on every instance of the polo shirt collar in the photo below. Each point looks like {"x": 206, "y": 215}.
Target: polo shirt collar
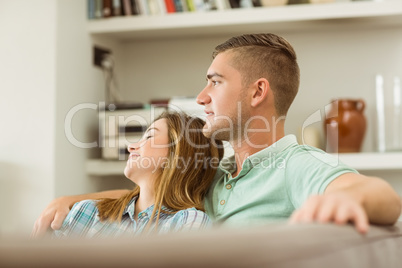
{"x": 229, "y": 164}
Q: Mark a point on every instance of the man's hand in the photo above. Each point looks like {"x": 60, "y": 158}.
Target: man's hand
{"x": 337, "y": 207}
{"x": 52, "y": 216}
{"x": 352, "y": 198}
{"x": 55, "y": 213}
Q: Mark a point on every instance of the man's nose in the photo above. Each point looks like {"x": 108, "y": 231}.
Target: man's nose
{"x": 203, "y": 98}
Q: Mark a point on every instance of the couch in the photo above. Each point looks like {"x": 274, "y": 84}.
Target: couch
{"x": 272, "y": 245}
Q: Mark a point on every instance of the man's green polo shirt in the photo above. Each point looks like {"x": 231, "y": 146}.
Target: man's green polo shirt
{"x": 272, "y": 183}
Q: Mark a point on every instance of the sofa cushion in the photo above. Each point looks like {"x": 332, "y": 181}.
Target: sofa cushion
{"x": 273, "y": 245}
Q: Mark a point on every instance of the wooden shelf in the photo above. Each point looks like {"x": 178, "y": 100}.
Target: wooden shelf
{"x": 281, "y": 18}
{"x": 373, "y": 161}
{"x": 359, "y": 161}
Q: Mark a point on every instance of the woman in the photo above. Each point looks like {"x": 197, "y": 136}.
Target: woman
{"x": 172, "y": 166}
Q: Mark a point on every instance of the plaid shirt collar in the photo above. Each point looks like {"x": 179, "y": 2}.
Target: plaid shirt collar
{"x": 130, "y": 210}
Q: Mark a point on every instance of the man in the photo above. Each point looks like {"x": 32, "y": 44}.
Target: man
{"x": 251, "y": 84}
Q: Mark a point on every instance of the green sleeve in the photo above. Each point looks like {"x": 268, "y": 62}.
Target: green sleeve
{"x": 309, "y": 171}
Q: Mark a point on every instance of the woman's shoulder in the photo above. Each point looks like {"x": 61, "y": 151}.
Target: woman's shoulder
{"x": 192, "y": 218}
{"x": 191, "y": 211}
{"x": 81, "y": 217}
{"x": 83, "y": 212}
{"x": 84, "y": 205}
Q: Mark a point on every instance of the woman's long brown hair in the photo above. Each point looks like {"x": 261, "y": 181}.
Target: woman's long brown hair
{"x": 186, "y": 177}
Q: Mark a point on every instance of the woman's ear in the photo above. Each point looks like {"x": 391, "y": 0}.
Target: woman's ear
{"x": 261, "y": 92}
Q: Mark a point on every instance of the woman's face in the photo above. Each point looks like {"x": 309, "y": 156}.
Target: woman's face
{"x": 149, "y": 154}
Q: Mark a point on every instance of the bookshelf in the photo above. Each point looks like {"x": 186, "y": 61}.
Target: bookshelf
{"x": 361, "y": 14}
{"x": 132, "y": 32}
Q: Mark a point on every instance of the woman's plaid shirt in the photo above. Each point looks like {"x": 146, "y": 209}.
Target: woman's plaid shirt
{"x": 83, "y": 221}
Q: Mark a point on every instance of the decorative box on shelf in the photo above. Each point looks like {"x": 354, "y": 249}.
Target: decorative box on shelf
{"x": 120, "y": 127}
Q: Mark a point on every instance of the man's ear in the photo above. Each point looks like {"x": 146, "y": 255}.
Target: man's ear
{"x": 261, "y": 92}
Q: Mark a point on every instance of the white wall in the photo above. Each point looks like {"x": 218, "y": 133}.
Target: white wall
{"x": 78, "y": 83}
{"x": 46, "y": 70}
{"x": 27, "y": 109}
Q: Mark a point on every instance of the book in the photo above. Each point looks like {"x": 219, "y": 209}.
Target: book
{"x": 98, "y": 9}
{"x": 162, "y": 6}
{"x": 143, "y": 7}
{"x": 153, "y": 7}
{"x": 119, "y": 128}
{"x": 234, "y": 3}
{"x": 190, "y": 5}
{"x": 132, "y": 129}
{"x": 116, "y": 8}
{"x": 134, "y": 7}
{"x": 246, "y": 3}
{"x": 257, "y": 3}
{"x": 91, "y": 9}
{"x": 127, "y": 8}
{"x": 170, "y": 8}
{"x": 222, "y": 4}
{"x": 201, "y": 5}
{"x": 157, "y": 7}
{"x": 111, "y": 122}
{"x": 184, "y": 4}
{"x": 107, "y": 8}
{"x": 178, "y": 4}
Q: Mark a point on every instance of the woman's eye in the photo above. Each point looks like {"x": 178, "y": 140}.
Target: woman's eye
{"x": 215, "y": 83}
{"x": 148, "y": 137}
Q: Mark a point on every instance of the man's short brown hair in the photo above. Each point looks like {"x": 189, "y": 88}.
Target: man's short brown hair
{"x": 266, "y": 56}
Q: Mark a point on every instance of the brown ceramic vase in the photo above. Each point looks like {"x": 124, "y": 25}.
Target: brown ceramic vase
{"x": 345, "y": 126}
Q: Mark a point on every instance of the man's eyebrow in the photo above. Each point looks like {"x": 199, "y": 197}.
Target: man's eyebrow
{"x": 209, "y": 76}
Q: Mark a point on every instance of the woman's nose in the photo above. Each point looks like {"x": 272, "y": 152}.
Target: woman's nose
{"x": 133, "y": 146}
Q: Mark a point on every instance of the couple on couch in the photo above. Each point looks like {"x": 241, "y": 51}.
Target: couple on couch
{"x": 251, "y": 83}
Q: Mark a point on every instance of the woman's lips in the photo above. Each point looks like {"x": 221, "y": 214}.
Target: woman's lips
{"x": 134, "y": 155}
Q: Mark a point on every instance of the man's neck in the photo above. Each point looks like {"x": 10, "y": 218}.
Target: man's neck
{"x": 255, "y": 142}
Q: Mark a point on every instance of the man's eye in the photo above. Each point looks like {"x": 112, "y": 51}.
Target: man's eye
{"x": 215, "y": 83}
{"x": 148, "y": 137}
